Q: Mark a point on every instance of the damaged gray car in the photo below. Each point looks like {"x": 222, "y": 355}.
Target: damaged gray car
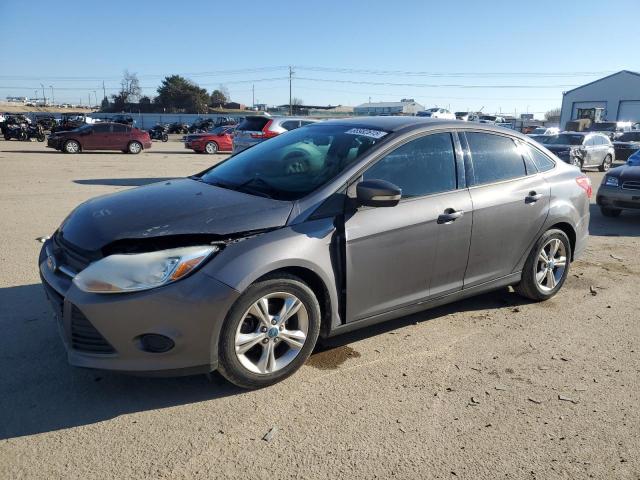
{"x": 322, "y": 230}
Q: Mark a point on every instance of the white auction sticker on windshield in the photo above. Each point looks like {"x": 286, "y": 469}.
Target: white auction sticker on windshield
{"x": 365, "y": 132}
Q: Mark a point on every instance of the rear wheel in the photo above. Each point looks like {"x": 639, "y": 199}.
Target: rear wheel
{"x": 41, "y": 137}
{"x": 211, "y": 148}
{"x": 576, "y": 162}
{"x": 71, "y": 146}
{"x": 547, "y": 266}
{"x": 269, "y": 332}
{"x": 606, "y": 164}
{"x": 134, "y": 147}
{"x": 165, "y": 137}
{"x": 610, "y": 212}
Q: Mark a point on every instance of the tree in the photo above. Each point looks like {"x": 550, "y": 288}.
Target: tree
{"x": 180, "y": 94}
{"x": 130, "y": 90}
{"x": 105, "y": 105}
{"x": 145, "y": 104}
{"x": 553, "y": 114}
{"x": 296, "y": 102}
{"x": 218, "y": 98}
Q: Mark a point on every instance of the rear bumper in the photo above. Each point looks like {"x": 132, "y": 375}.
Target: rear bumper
{"x": 103, "y": 331}
{"x": 616, "y": 197}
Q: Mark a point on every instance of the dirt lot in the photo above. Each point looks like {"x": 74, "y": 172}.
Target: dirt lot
{"x": 492, "y": 387}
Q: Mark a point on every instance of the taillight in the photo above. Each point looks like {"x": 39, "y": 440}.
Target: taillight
{"x": 265, "y": 133}
{"x": 584, "y": 183}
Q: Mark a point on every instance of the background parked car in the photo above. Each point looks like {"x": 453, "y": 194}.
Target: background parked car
{"x": 218, "y": 139}
{"x": 583, "y": 149}
{"x": 123, "y": 119}
{"x": 436, "y": 112}
{"x": 257, "y": 128}
{"x": 467, "y": 116}
{"x": 545, "y": 131}
{"x": 612, "y": 129}
{"x": 627, "y": 144}
{"x": 541, "y": 138}
{"x": 620, "y": 188}
{"x": 100, "y": 136}
{"x": 178, "y": 127}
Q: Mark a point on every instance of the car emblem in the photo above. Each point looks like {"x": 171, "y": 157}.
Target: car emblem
{"x": 51, "y": 262}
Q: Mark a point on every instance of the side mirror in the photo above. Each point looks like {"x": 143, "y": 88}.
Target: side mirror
{"x": 378, "y": 193}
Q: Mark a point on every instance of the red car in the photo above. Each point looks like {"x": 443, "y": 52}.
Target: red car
{"x": 100, "y": 136}
{"x": 217, "y": 140}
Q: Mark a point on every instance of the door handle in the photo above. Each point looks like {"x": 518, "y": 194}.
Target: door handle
{"x": 449, "y": 216}
{"x": 533, "y": 197}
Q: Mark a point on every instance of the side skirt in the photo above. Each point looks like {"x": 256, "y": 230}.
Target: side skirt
{"x": 502, "y": 282}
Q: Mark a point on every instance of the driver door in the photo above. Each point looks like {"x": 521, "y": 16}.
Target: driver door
{"x": 401, "y": 255}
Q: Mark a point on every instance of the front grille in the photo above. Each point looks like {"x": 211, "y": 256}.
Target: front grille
{"x": 68, "y": 256}
{"x": 84, "y": 336}
{"x": 631, "y": 185}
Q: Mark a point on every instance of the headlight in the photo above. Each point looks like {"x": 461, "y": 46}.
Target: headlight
{"x": 143, "y": 271}
{"x": 611, "y": 181}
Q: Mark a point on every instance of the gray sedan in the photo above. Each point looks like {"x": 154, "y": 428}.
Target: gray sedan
{"x": 322, "y": 230}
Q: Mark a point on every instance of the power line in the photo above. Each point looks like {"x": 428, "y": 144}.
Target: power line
{"x": 428, "y": 85}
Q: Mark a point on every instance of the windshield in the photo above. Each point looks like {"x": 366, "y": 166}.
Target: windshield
{"x": 630, "y": 137}
{"x": 565, "y": 139}
{"x": 294, "y": 164}
{"x": 539, "y": 131}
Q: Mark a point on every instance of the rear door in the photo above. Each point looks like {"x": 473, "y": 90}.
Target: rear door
{"x": 119, "y": 138}
{"x": 398, "y": 256}
{"x": 98, "y": 138}
{"x": 510, "y": 204}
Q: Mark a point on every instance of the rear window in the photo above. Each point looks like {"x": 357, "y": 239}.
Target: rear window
{"x": 120, "y": 128}
{"x": 253, "y": 124}
{"x": 542, "y": 162}
{"x": 630, "y": 137}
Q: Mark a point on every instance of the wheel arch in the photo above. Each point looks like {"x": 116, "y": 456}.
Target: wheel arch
{"x": 569, "y": 231}
{"x": 72, "y": 139}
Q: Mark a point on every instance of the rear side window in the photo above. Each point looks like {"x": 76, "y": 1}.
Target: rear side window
{"x": 253, "y": 124}
{"x": 494, "y": 157}
{"x": 102, "y": 128}
{"x": 542, "y": 162}
{"x": 119, "y": 128}
{"x": 423, "y": 166}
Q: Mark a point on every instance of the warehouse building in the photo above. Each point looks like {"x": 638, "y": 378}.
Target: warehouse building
{"x": 406, "y": 106}
{"x": 614, "y": 98}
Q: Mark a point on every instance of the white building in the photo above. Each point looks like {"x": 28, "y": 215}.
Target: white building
{"x": 615, "y": 98}
{"x": 406, "y": 106}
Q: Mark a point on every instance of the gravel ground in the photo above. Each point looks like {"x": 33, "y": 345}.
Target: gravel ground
{"x": 492, "y": 387}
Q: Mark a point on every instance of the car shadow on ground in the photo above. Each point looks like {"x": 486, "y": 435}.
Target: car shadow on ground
{"x": 123, "y": 182}
{"x": 626, "y": 225}
{"x": 40, "y": 392}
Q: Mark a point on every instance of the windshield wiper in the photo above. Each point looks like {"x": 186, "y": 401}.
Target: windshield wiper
{"x": 245, "y": 186}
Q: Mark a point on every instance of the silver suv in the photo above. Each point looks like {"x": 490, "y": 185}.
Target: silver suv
{"x": 257, "y": 128}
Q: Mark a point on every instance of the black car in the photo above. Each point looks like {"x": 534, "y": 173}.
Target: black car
{"x": 123, "y": 119}
{"x": 627, "y": 144}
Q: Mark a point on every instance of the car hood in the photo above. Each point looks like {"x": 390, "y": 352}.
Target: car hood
{"x": 625, "y": 173}
{"x": 174, "y": 207}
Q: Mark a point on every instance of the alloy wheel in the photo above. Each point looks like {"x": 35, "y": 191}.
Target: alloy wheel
{"x": 551, "y": 264}
{"x": 272, "y": 333}
{"x": 135, "y": 147}
{"x": 211, "y": 148}
{"x": 72, "y": 147}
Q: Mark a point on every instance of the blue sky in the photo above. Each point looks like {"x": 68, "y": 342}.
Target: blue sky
{"x": 467, "y": 45}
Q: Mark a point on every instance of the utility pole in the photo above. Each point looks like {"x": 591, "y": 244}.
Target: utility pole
{"x": 53, "y": 99}
{"x": 89, "y": 94}
{"x": 104, "y": 91}
{"x": 96, "y": 95}
{"x": 253, "y": 95}
{"x": 44, "y": 97}
{"x": 290, "y": 97}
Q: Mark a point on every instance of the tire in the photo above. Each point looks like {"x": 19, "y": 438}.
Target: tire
{"x": 542, "y": 280}
{"x": 606, "y": 164}
{"x": 134, "y": 147}
{"x": 23, "y": 137}
{"x": 71, "y": 146}
{"x": 165, "y": 137}
{"x": 248, "y": 369}
{"x": 41, "y": 137}
{"x": 576, "y": 162}
{"x": 211, "y": 148}
{"x": 610, "y": 212}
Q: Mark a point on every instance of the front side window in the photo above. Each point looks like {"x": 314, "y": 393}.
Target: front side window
{"x": 120, "y": 128}
{"x": 102, "y": 128}
{"x": 495, "y": 158}
{"x": 421, "y": 167}
{"x": 292, "y": 165}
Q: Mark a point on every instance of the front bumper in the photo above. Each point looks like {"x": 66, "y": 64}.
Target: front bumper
{"x": 617, "y": 197}
{"x": 623, "y": 153}
{"x": 102, "y": 331}
{"x": 53, "y": 143}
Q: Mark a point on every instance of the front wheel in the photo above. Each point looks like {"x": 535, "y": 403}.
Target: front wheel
{"x": 41, "y": 137}
{"x": 134, "y": 147}
{"x": 610, "y": 212}
{"x": 165, "y": 137}
{"x": 547, "y": 266}
{"x": 606, "y": 164}
{"x": 576, "y": 162}
{"x": 71, "y": 146}
{"x": 269, "y": 332}
{"x": 211, "y": 148}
